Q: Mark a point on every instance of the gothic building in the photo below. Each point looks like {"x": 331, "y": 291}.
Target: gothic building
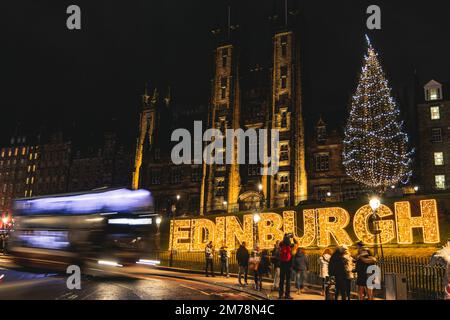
{"x": 262, "y": 97}
{"x": 244, "y": 95}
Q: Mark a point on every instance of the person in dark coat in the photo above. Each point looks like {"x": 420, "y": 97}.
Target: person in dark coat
{"x": 263, "y": 267}
{"x": 300, "y": 266}
{"x": 242, "y": 257}
{"x": 275, "y": 260}
{"x": 338, "y": 270}
{"x": 363, "y": 261}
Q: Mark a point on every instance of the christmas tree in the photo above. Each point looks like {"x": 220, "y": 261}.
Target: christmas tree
{"x": 375, "y": 146}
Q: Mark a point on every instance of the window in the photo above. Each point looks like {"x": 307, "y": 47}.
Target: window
{"x": 435, "y": 114}
{"x": 220, "y": 188}
{"x": 434, "y": 94}
{"x": 438, "y": 158}
{"x": 155, "y": 177}
{"x": 440, "y": 182}
{"x": 283, "y": 74}
{"x": 224, "y": 57}
{"x": 436, "y": 135}
{"x": 284, "y": 152}
{"x": 284, "y": 119}
{"x": 321, "y": 133}
{"x": 157, "y": 154}
{"x": 223, "y": 87}
{"x": 322, "y": 161}
{"x": 284, "y": 184}
{"x": 196, "y": 174}
{"x": 253, "y": 170}
{"x": 175, "y": 176}
{"x": 284, "y": 42}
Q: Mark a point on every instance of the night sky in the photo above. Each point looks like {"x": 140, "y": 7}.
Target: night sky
{"x": 58, "y": 78}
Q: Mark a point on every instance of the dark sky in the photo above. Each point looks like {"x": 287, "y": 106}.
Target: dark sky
{"x": 56, "y": 77}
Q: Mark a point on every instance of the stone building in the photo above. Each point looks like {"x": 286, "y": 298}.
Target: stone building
{"x": 251, "y": 95}
{"x": 18, "y": 168}
{"x": 53, "y": 165}
{"x": 433, "y": 114}
{"x": 327, "y": 180}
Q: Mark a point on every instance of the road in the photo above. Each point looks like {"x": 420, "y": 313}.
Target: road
{"x": 24, "y": 284}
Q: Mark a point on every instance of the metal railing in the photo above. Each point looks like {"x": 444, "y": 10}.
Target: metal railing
{"x": 423, "y": 280}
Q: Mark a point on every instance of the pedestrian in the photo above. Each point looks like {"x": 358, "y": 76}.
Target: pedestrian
{"x": 338, "y": 268}
{"x": 209, "y": 257}
{"x": 242, "y": 257}
{"x": 253, "y": 265}
{"x": 364, "y": 260}
{"x": 442, "y": 258}
{"x": 300, "y": 266}
{"x": 224, "y": 256}
{"x": 264, "y": 267}
{"x": 286, "y": 267}
{"x": 275, "y": 260}
{"x": 324, "y": 261}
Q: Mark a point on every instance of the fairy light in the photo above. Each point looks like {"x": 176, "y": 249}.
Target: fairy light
{"x": 428, "y": 222}
{"x": 220, "y": 232}
{"x": 203, "y": 231}
{"x": 269, "y": 229}
{"x": 362, "y": 229}
{"x": 235, "y": 230}
{"x": 181, "y": 235}
{"x": 309, "y": 226}
{"x": 375, "y": 146}
{"x": 332, "y": 222}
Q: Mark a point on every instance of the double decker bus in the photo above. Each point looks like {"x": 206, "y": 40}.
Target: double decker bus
{"x": 105, "y": 226}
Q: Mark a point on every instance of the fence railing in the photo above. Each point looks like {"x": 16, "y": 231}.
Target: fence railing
{"x": 424, "y": 281}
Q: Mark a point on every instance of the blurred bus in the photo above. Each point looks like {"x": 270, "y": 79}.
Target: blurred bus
{"x": 105, "y": 226}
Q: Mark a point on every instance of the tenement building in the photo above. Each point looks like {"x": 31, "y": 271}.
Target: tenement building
{"x": 434, "y": 136}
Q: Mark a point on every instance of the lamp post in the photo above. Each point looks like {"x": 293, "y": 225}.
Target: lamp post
{"x": 263, "y": 200}
{"x": 158, "y": 234}
{"x": 375, "y": 204}
{"x": 173, "y": 210}
{"x": 256, "y": 220}
{"x": 225, "y": 204}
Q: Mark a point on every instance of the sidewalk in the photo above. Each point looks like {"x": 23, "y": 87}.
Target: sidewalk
{"x": 311, "y": 293}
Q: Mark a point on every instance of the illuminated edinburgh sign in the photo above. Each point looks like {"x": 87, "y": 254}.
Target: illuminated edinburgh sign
{"x": 321, "y": 227}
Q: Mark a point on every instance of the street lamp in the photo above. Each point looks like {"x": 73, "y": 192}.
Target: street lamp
{"x": 256, "y": 220}
{"x": 416, "y": 188}
{"x": 375, "y": 204}
{"x": 178, "y": 197}
{"x": 263, "y": 201}
{"x": 158, "y": 235}
{"x": 225, "y": 205}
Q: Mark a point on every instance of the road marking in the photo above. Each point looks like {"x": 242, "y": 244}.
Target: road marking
{"x": 201, "y": 291}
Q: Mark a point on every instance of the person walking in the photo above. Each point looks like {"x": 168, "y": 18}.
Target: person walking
{"x": 324, "y": 261}
{"x": 209, "y": 257}
{"x": 285, "y": 267}
{"x": 275, "y": 260}
{"x": 338, "y": 269}
{"x": 364, "y": 260}
{"x": 242, "y": 257}
{"x": 300, "y": 266}
{"x": 264, "y": 267}
{"x": 253, "y": 265}
{"x": 224, "y": 256}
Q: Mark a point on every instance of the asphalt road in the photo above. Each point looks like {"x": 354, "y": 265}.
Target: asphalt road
{"x": 24, "y": 284}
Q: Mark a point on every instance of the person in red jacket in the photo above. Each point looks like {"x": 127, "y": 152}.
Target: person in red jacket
{"x": 286, "y": 266}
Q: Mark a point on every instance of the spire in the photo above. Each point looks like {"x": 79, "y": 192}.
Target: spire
{"x": 155, "y": 95}
{"x": 168, "y": 97}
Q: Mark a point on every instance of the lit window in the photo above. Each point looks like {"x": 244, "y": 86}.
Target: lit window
{"x": 284, "y": 74}
{"x": 435, "y": 114}
{"x": 16, "y": 151}
{"x": 32, "y": 180}
{"x": 438, "y": 158}
{"x": 29, "y": 168}
{"x": 284, "y": 184}
{"x": 440, "y": 182}
{"x": 31, "y": 193}
{"x": 28, "y": 180}
{"x": 26, "y": 193}
{"x": 9, "y": 153}
{"x": 23, "y": 151}
{"x": 31, "y": 156}
{"x": 434, "y": 94}
{"x": 34, "y": 167}
{"x": 35, "y": 156}
{"x": 3, "y": 153}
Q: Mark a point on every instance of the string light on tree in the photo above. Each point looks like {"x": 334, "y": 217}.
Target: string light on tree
{"x": 375, "y": 146}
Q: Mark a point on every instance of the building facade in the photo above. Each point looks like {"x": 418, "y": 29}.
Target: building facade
{"x": 434, "y": 137}
{"x": 18, "y": 169}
